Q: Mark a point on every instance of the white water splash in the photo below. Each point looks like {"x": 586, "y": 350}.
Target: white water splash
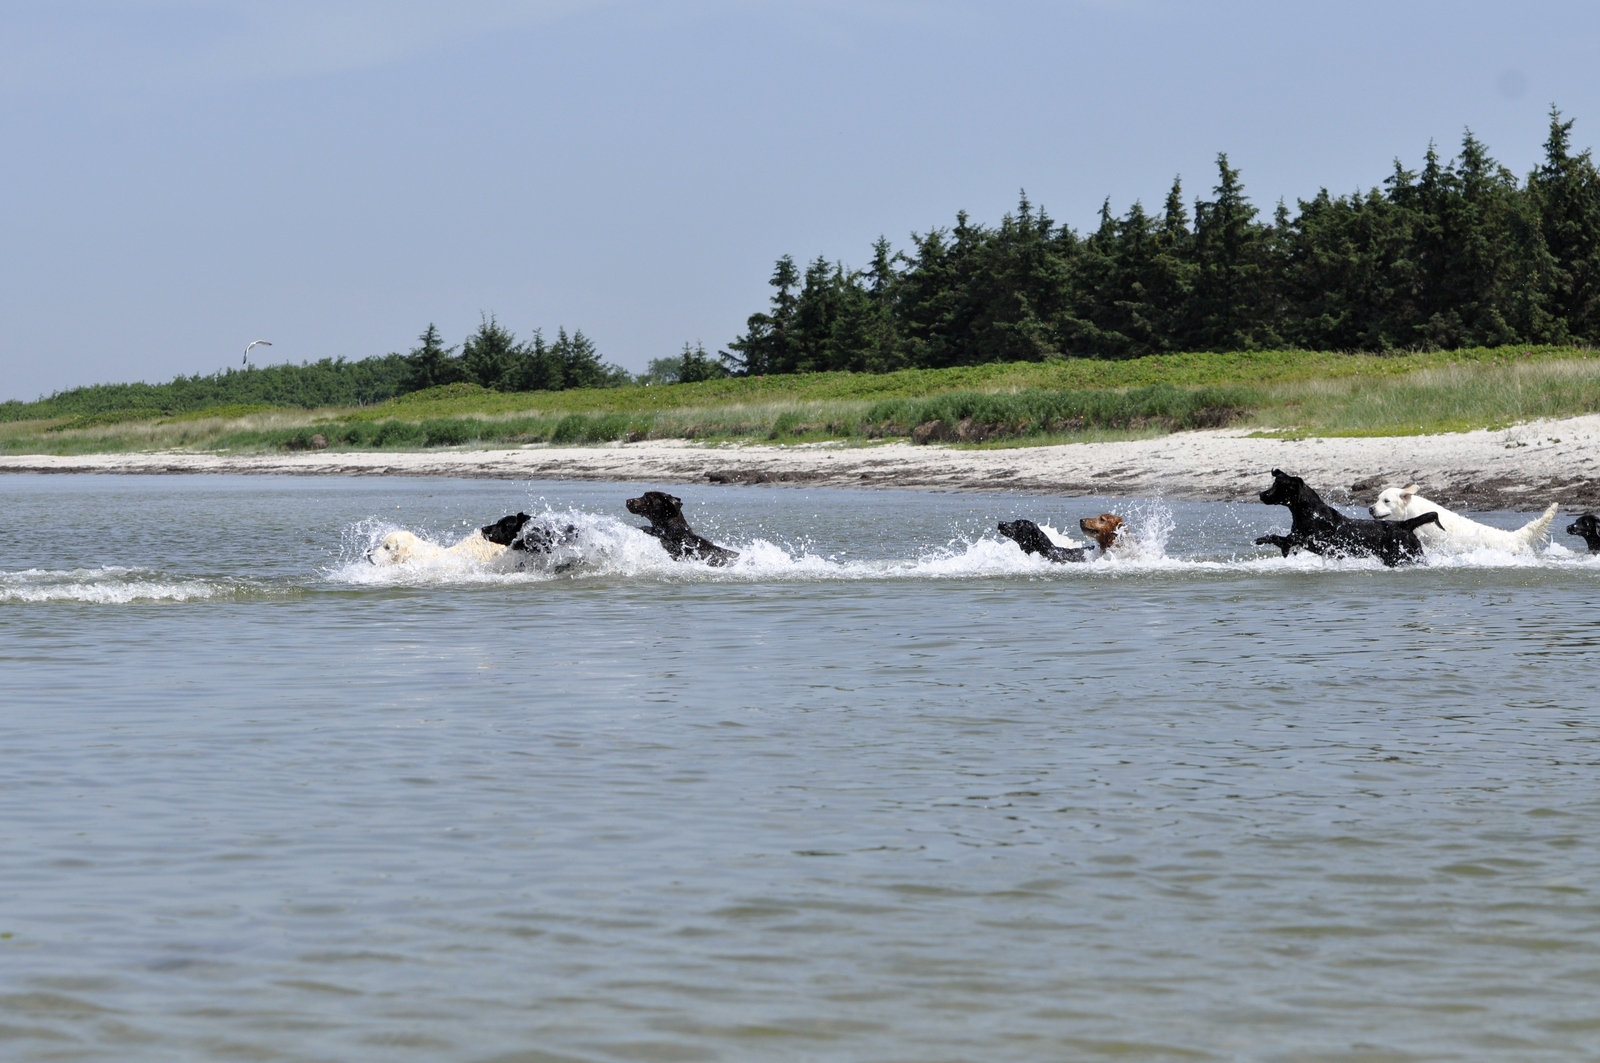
{"x": 102, "y": 586}
{"x": 604, "y": 546}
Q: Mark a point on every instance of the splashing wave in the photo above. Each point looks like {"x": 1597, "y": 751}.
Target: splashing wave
{"x": 110, "y": 585}
{"x": 607, "y": 547}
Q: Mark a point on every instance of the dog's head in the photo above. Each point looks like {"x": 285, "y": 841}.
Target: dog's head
{"x": 1104, "y": 529}
{"x": 1026, "y": 534}
{"x": 658, "y": 507}
{"x": 1586, "y": 527}
{"x": 1393, "y": 502}
{"x": 503, "y": 532}
{"x": 395, "y": 548}
{"x": 1285, "y": 489}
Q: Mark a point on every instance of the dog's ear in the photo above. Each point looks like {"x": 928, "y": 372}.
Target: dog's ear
{"x": 1279, "y": 474}
{"x": 675, "y": 500}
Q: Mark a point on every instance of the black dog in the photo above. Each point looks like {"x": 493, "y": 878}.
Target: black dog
{"x": 665, "y": 514}
{"x": 1321, "y": 529}
{"x": 1033, "y": 540}
{"x": 1587, "y": 527}
{"x": 521, "y": 532}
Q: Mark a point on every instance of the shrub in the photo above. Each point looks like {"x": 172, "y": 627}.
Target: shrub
{"x": 449, "y": 432}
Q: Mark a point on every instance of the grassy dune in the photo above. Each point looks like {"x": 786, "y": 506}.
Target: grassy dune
{"x": 1277, "y": 392}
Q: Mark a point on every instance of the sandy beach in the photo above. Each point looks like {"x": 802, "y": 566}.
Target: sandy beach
{"x": 1524, "y": 467}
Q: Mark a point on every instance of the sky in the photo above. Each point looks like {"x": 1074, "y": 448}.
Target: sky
{"x": 180, "y": 177}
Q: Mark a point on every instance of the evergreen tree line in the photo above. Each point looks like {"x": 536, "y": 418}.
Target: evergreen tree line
{"x": 493, "y": 358}
{"x": 329, "y": 382}
{"x": 1456, "y": 254}
{"x": 691, "y": 366}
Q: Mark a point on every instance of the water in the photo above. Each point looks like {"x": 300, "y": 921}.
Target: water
{"x": 884, "y": 790}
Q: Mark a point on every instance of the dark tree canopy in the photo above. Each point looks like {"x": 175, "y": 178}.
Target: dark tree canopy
{"x": 492, "y": 357}
{"x": 1459, "y": 253}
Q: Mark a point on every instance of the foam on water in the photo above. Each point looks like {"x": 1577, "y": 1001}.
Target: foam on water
{"x": 604, "y": 546}
{"x": 109, "y": 585}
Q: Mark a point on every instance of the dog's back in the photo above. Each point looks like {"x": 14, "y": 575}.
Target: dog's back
{"x": 1028, "y": 535}
{"x": 667, "y": 523}
{"x": 1321, "y": 529}
{"x": 1455, "y": 530}
{"x": 404, "y": 547}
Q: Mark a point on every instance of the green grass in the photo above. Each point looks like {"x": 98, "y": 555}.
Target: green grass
{"x": 1281, "y": 393}
{"x": 1448, "y": 398}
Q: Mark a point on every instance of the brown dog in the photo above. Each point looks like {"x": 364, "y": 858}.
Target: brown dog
{"x": 1105, "y": 529}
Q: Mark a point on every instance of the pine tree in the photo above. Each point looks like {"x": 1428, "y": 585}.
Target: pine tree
{"x": 1565, "y": 190}
{"x": 931, "y": 293}
{"x": 1100, "y": 293}
{"x": 430, "y": 364}
{"x": 816, "y": 311}
{"x": 580, "y": 363}
{"x": 490, "y": 357}
{"x": 1232, "y": 297}
{"x": 767, "y": 343}
{"x": 1022, "y": 290}
{"x": 541, "y": 368}
{"x": 695, "y": 365}
{"x": 1345, "y": 275}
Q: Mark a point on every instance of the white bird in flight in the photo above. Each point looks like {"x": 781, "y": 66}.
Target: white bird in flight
{"x": 254, "y": 343}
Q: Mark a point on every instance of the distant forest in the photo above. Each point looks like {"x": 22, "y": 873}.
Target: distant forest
{"x": 492, "y": 357}
{"x": 1458, "y": 254}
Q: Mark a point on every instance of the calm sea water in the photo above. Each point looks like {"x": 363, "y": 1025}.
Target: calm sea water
{"x": 885, "y": 790}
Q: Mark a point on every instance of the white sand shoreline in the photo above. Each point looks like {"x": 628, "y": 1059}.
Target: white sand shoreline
{"x": 1524, "y": 467}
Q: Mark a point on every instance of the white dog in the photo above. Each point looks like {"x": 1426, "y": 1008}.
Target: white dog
{"x": 399, "y": 547}
{"x": 1454, "y": 530}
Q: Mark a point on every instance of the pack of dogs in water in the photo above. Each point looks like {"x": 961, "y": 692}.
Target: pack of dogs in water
{"x": 1402, "y": 523}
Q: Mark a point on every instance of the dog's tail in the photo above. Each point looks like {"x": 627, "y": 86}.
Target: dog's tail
{"x": 1535, "y": 530}
{"x": 1416, "y": 522}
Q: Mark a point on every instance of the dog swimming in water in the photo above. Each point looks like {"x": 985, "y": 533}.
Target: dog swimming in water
{"x": 517, "y": 533}
{"x": 667, "y": 523}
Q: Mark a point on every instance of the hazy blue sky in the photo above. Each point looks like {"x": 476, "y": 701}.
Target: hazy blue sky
{"x": 180, "y": 177}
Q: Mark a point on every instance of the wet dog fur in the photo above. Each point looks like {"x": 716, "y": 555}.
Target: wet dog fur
{"x": 523, "y": 533}
{"x": 401, "y": 547}
{"x": 1320, "y": 529}
{"x": 1454, "y": 530}
{"x": 1033, "y": 540}
{"x": 1587, "y": 528}
{"x": 518, "y": 533}
{"x": 1105, "y": 530}
{"x": 667, "y": 524}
